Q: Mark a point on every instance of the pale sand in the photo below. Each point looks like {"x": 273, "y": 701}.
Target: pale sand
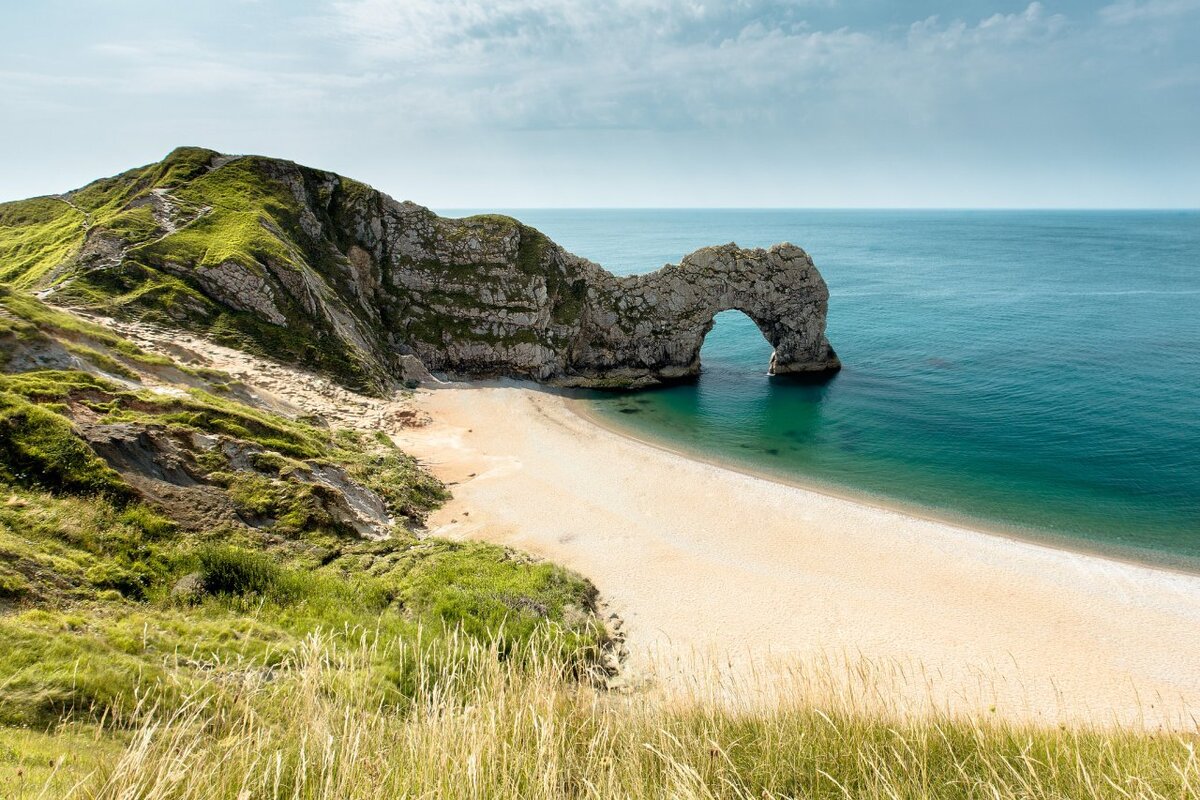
{"x": 713, "y": 569}
{"x": 708, "y": 564}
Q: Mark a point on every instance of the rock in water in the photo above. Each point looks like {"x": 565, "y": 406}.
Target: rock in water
{"x": 648, "y": 329}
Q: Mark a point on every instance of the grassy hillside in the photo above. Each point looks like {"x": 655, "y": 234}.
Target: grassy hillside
{"x": 134, "y": 245}
{"x": 161, "y": 535}
{"x": 317, "y": 725}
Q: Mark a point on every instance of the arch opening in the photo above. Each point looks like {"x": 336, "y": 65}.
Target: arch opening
{"x": 734, "y": 346}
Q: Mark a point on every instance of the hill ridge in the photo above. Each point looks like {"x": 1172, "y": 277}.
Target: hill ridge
{"x": 324, "y": 271}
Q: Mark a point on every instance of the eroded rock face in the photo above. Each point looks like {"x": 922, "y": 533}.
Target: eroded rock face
{"x": 487, "y": 296}
{"x": 344, "y": 274}
{"x": 649, "y": 328}
{"x": 165, "y": 468}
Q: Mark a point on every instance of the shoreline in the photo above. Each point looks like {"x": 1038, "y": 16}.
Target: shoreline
{"x": 735, "y": 586}
{"x": 712, "y": 569}
{"x": 1035, "y": 537}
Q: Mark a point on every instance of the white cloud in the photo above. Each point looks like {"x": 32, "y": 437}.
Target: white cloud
{"x": 1125, "y": 12}
{"x": 667, "y": 64}
{"x": 186, "y": 68}
{"x": 1031, "y": 25}
{"x": 703, "y": 84}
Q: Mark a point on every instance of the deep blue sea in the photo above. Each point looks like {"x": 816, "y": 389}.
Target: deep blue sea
{"x": 1034, "y": 371}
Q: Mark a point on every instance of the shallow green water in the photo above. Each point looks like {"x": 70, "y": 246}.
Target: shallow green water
{"x": 1039, "y": 371}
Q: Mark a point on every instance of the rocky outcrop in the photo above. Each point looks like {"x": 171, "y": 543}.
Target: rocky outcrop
{"x": 237, "y": 286}
{"x": 488, "y": 296}
{"x": 174, "y": 470}
{"x": 375, "y": 291}
{"x": 649, "y": 328}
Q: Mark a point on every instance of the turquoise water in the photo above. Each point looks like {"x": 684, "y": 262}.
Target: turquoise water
{"x": 1037, "y": 371}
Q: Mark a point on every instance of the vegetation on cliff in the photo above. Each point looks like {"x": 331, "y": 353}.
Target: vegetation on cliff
{"x": 134, "y": 245}
{"x": 256, "y": 253}
{"x": 314, "y": 269}
{"x": 161, "y": 534}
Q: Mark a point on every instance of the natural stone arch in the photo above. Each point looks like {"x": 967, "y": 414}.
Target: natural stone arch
{"x": 651, "y": 327}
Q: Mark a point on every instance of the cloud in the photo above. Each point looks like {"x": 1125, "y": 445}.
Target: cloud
{"x": 408, "y": 29}
{"x": 667, "y": 64}
{"x": 1031, "y": 25}
{"x": 185, "y": 67}
{"x": 704, "y": 85}
{"x": 1125, "y": 12}
{"x": 642, "y": 65}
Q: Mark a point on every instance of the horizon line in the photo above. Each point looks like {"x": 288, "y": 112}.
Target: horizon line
{"x": 816, "y": 208}
{"x": 440, "y": 208}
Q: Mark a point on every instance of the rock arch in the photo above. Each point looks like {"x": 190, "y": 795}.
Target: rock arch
{"x": 649, "y": 328}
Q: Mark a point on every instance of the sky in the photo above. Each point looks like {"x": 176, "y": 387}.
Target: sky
{"x": 624, "y": 103}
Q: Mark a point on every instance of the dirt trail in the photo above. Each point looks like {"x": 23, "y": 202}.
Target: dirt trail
{"x": 288, "y": 390}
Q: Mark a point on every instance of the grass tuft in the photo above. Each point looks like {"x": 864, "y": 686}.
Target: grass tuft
{"x": 38, "y": 448}
{"x": 236, "y": 571}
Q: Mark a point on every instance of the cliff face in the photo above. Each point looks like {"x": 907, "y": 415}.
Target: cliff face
{"x": 314, "y": 268}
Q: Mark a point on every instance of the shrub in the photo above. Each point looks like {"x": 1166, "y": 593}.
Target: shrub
{"x": 235, "y": 571}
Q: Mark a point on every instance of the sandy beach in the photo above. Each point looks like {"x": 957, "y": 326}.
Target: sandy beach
{"x": 708, "y": 565}
{"x": 762, "y": 585}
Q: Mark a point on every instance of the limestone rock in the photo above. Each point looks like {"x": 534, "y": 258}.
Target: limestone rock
{"x": 382, "y": 292}
{"x": 488, "y": 296}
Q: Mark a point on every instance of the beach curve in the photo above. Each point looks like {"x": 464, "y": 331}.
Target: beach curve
{"x": 707, "y": 564}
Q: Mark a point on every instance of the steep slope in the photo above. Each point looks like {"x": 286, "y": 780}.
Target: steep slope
{"x": 163, "y": 523}
{"x": 206, "y": 242}
{"x": 316, "y": 269}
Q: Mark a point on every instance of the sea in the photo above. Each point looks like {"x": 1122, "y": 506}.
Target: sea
{"x": 1032, "y": 373}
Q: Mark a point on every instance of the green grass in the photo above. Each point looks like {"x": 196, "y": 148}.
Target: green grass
{"x": 38, "y": 448}
{"x": 105, "y": 596}
{"x": 236, "y": 571}
{"x": 181, "y": 165}
{"x": 250, "y": 217}
{"x": 67, "y": 550}
{"x": 478, "y": 724}
{"x": 100, "y": 360}
{"x": 98, "y": 615}
{"x": 100, "y": 618}
{"x": 133, "y": 225}
{"x": 36, "y": 236}
{"x": 51, "y": 764}
{"x": 29, "y": 319}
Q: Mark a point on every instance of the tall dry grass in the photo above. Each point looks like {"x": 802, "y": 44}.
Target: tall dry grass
{"x": 482, "y": 725}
